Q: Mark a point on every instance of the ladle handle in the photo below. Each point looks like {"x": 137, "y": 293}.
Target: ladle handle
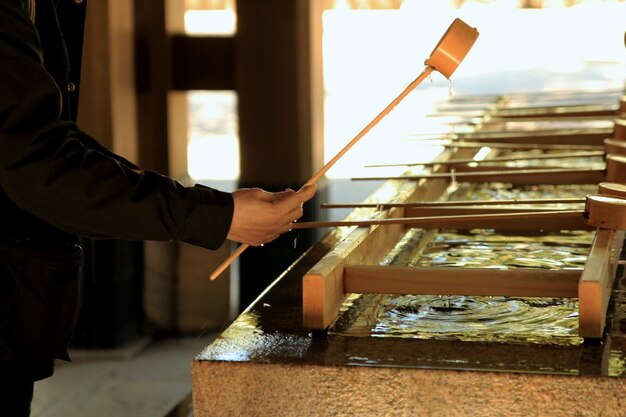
{"x": 315, "y": 178}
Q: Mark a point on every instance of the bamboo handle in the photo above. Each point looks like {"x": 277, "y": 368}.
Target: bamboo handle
{"x": 500, "y": 175}
{"x": 515, "y": 146}
{"x": 569, "y": 200}
{"x": 427, "y": 71}
{"x": 440, "y": 221}
{"x": 218, "y": 271}
{"x": 463, "y": 161}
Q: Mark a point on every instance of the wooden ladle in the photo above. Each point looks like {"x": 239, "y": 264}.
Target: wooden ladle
{"x": 454, "y": 45}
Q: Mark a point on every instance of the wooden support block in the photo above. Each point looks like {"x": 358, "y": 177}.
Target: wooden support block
{"x": 576, "y": 110}
{"x": 521, "y": 282}
{"x": 596, "y": 281}
{"x": 323, "y": 287}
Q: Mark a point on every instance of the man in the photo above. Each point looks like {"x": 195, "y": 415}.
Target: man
{"x": 57, "y": 183}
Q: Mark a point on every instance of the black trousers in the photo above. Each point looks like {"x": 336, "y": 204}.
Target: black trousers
{"x": 16, "y": 395}
{"x": 39, "y": 299}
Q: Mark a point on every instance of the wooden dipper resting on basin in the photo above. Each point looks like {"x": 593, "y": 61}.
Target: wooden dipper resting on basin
{"x": 454, "y": 45}
{"x": 612, "y": 189}
{"x": 606, "y": 211}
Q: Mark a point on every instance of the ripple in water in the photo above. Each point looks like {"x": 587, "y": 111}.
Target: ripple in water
{"x": 487, "y": 319}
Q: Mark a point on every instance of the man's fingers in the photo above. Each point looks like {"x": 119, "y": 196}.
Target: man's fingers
{"x": 282, "y": 194}
{"x": 297, "y": 199}
{"x": 307, "y": 192}
{"x": 295, "y": 214}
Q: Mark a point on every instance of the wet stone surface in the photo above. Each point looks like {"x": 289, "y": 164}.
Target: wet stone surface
{"x": 508, "y": 334}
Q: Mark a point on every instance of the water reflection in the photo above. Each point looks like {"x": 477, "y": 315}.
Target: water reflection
{"x": 484, "y": 319}
{"x": 245, "y": 340}
{"x": 489, "y": 249}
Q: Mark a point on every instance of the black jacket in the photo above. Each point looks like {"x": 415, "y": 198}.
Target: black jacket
{"x": 55, "y": 180}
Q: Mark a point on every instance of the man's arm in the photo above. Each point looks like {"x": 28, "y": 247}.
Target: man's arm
{"x": 49, "y": 168}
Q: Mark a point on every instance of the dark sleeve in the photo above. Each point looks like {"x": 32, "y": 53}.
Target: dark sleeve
{"x": 56, "y": 172}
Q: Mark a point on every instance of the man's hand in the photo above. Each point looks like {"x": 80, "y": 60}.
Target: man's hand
{"x": 260, "y": 217}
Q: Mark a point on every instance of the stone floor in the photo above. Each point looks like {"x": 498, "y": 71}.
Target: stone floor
{"x": 150, "y": 378}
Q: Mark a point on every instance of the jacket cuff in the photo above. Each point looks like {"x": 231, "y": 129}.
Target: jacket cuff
{"x": 211, "y": 218}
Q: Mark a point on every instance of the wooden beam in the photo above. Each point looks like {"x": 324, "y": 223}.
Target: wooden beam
{"x": 508, "y": 158}
{"x": 322, "y": 285}
{"x": 495, "y": 118}
{"x": 576, "y": 95}
{"x": 574, "y": 110}
{"x": 591, "y": 136}
{"x": 556, "y": 112}
{"x": 202, "y": 62}
{"x": 447, "y": 203}
{"x": 596, "y": 282}
{"x": 278, "y": 62}
{"x": 515, "y": 177}
{"x": 152, "y": 82}
{"x": 520, "y": 282}
{"x": 108, "y": 100}
{"x": 542, "y": 220}
{"x": 465, "y": 210}
{"x": 517, "y": 146}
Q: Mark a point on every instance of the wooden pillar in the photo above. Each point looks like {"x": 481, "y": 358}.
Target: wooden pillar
{"x": 177, "y": 284}
{"x": 278, "y": 63}
{"x": 176, "y": 104}
{"x": 107, "y": 105}
{"x": 278, "y": 78}
{"x": 111, "y": 315}
{"x": 152, "y": 80}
